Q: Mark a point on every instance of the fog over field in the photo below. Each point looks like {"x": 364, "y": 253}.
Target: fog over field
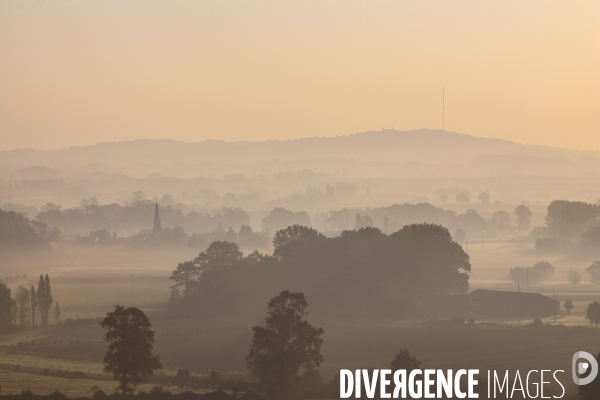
{"x": 365, "y": 170}
{"x": 201, "y": 235}
{"x": 266, "y": 200}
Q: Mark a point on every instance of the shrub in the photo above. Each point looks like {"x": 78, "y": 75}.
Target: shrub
{"x": 99, "y": 394}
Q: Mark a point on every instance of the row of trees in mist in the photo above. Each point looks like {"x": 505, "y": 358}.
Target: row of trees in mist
{"x": 22, "y": 309}
{"x": 572, "y": 226}
{"x": 542, "y": 271}
{"x": 91, "y": 217}
{"x": 359, "y": 271}
{"x": 284, "y": 354}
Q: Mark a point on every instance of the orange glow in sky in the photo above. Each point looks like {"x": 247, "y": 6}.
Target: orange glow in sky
{"x": 82, "y": 72}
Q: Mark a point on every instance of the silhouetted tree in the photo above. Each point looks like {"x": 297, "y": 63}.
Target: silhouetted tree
{"x": 404, "y": 360}
{"x": 280, "y": 218}
{"x": 249, "y": 239}
{"x": 594, "y": 271}
{"x": 23, "y": 297}
{"x": 287, "y": 343}
{"x": 6, "y": 318}
{"x": 540, "y": 272}
{"x": 484, "y": 197}
{"x": 569, "y": 306}
{"x": 571, "y": 218}
{"x": 462, "y": 197}
{"x": 574, "y": 276}
{"x": 34, "y": 305}
{"x": 419, "y": 259}
{"x": 417, "y": 245}
{"x": 363, "y": 221}
{"x": 523, "y": 214}
{"x": 591, "y": 237}
{"x": 472, "y": 222}
{"x": 230, "y": 236}
{"x": 287, "y": 241}
{"x": 130, "y": 340}
{"x": 444, "y": 198}
{"x": 218, "y": 253}
{"x": 185, "y": 275}
{"x": 592, "y": 313}
{"x": 544, "y": 269}
{"x": 44, "y": 298}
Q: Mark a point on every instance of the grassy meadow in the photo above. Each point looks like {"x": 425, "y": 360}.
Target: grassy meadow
{"x": 37, "y": 359}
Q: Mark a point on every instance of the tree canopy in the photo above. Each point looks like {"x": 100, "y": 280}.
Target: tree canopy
{"x": 18, "y": 232}
{"x": 130, "y": 340}
{"x": 592, "y": 313}
{"x": 354, "y": 270}
{"x": 285, "y": 345}
{"x": 540, "y": 272}
{"x": 571, "y": 218}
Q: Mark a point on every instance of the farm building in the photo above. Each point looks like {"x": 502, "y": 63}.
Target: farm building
{"x": 448, "y": 305}
{"x": 517, "y": 304}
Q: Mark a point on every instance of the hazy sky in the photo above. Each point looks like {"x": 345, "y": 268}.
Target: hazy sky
{"x": 82, "y": 72}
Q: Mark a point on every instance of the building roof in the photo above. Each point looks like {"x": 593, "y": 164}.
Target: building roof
{"x": 506, "y": 297}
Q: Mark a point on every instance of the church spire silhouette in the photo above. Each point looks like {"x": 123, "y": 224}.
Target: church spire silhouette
{"x": 157, "y": 227}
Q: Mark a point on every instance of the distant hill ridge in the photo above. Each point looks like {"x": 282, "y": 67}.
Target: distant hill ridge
{"x": 425, "y": 145}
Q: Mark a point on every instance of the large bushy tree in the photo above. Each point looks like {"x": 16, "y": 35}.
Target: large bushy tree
{"x": 130, "y": 340}
{"x": 592, "y": 313}
{"x": 523, "y": 214}
{"x": 571, "y": 218}
{"x": 285, "y": 344}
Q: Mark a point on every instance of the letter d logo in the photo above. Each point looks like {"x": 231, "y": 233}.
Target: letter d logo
{"x": 582, "y": 368}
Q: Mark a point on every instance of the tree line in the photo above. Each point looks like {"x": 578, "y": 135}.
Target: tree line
{"x": 283, "y": 355}
{"x": 18, "y": 233}
{"x": 92, "y": 216}
{"x": 22, "y": 309}
{"x": 359, "y": 271}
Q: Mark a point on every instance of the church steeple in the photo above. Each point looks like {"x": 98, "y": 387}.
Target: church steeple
{"x": 157, "y": 227}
